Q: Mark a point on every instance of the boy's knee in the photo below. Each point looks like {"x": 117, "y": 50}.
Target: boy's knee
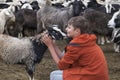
{"x": 53, "y": 73}
{"x": 56, "y": 75}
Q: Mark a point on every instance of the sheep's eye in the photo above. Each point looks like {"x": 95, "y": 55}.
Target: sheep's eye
{"x": 116, "y": 20}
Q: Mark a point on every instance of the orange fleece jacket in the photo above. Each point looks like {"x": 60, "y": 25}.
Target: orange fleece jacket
{"x": 84, "y": 60}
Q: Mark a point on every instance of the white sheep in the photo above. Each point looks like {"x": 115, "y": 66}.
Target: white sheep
{"x": 28, "y": 51}
{"x": 5, "y": 15}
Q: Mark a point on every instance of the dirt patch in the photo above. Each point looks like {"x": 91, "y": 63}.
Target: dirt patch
{"x": 43, "y": 69}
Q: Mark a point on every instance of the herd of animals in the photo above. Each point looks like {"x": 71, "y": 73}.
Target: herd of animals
{"x": 22, "y": 22}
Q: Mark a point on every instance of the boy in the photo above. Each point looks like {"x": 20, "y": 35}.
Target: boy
{"x": 83, "y": 58}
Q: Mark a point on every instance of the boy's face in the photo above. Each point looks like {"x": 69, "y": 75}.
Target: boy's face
{"x": 71, "y": 31}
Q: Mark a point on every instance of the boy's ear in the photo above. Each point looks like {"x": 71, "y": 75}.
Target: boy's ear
{"x": 78, "y": 30}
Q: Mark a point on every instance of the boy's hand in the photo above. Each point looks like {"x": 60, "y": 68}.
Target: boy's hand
{"x": 46, "y": 39}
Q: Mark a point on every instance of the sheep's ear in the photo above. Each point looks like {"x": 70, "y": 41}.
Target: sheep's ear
{"x": 12, "y": 7}
{"x": 7, "y": 13}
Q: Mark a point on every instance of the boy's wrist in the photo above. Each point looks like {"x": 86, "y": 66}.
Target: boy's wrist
{"x": 51, "y": 45}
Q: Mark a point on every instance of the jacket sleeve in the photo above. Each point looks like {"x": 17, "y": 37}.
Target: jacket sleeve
{"x": 71, "y": 55}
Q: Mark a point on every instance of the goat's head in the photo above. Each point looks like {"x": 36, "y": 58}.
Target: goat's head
{"x": 116, "y": 36}
{"x": 54, "y": 32}
{"x": 78, "y": 7}
{"x": 26, "y": 6}
{"x": 86, "y": 2}
{"x": 114, "y": 22}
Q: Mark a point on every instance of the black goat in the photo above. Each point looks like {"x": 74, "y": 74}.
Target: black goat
{"x": 25, "y": 19}
{"x": 98, "y": 23}
{"x": 114, "y": 23}
{"x": 35, "y": 5}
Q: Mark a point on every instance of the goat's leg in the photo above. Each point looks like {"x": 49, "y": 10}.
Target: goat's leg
{"x": 116, "y": 48}
{"x": 107, "y": 40}
{"x": 20, "y": 35}
{"x": 30, "y": 68}
{"x": 31, "y": 78}
{"x": 20, "y": 29}
{"x": 30, "y": 73}
{"x": 100, "y": 39}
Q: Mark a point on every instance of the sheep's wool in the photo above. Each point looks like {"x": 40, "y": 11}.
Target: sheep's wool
{"x": 14, "y": 50}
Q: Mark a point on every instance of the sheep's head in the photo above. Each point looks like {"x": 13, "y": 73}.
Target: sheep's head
{"x": 9, "y": 12}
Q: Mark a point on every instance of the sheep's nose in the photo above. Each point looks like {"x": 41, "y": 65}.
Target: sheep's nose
{"x": 108, "y": 24}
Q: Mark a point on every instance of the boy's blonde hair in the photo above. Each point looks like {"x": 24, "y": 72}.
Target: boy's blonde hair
{"x": 81, "y": 23}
